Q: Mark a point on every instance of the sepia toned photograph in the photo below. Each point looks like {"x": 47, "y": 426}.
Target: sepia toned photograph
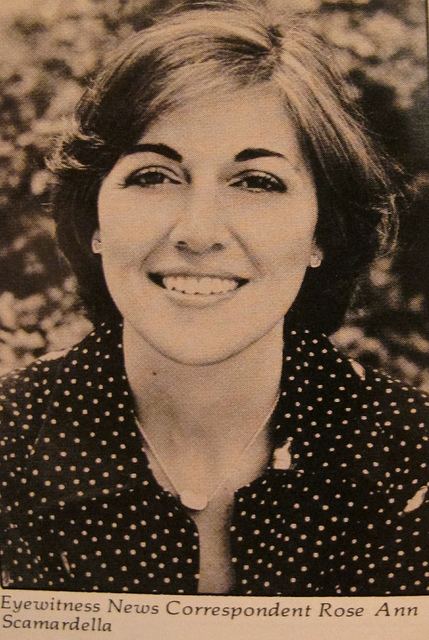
{"x": 214, "y": 297}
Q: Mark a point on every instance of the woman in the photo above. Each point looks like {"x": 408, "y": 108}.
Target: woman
{"x": 217, "y": 200}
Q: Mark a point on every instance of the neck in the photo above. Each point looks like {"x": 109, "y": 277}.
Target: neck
{"x": 216, "y": 405}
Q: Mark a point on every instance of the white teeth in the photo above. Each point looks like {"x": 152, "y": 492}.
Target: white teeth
{"x": 180, "y": 284}
{"x": 205, "y": 285}
{"x": 199, "y": 286}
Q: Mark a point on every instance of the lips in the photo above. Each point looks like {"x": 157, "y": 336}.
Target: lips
{"x": 195, "y": 285}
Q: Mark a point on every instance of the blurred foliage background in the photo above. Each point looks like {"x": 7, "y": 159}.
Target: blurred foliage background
{"x": 49, "y": 49}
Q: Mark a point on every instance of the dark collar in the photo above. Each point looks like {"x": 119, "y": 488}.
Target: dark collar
{"x": 89, "y": 445}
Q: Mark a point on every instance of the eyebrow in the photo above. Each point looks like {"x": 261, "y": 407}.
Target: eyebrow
{"x": 164, "y": 150}
{"x": 159, "y": 148}
{"x": 252, "y": 153}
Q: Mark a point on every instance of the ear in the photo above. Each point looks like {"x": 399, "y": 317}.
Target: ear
{"x": 316, "y": 256}
{"x": 96, "y": 242}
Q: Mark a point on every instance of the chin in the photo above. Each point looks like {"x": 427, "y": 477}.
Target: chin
{"x": 198, "y": 352}
{"x": 198, "y": 346}
{"x": 200, "y": 358}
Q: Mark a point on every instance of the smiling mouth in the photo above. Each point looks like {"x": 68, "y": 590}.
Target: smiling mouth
{"x": 197, "y": 285}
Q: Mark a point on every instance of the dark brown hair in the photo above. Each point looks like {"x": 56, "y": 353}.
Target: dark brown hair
{"x": 225, "y": 46}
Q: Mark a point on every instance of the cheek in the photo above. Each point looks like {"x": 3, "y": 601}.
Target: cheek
{"x": 129, "y": 226}
{"x": 283, "y": 240}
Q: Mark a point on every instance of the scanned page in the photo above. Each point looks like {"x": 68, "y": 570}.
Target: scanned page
{"x": 218, "y": 198}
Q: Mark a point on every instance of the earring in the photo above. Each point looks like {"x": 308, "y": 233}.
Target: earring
{"x": 315, "y": 260}
{"x": 96, "y": 245}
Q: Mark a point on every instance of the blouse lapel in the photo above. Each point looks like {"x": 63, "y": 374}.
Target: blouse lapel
{"x": 88, "y": 445}
{"x": 318, "y": 502}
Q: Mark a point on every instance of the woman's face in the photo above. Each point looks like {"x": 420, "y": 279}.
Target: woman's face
{"x": 207, "y": 226}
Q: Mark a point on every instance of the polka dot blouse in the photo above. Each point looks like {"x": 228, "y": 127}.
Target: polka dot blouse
{"x": 340, "y": 510}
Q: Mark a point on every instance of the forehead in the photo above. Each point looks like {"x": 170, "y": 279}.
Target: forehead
{"x": 227, "y": 122}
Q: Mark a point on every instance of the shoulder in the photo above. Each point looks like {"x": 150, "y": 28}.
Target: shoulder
{"x": 394, "y": 402}
{"x": 396, "y": 410}
{"x": 385, "y": 446}
{"x": 34, "y": 383}
{"x": 24, "y": 399}
{"x": 17, "y": 386}
{"x": 373, "y": 395}
{"x": 383, "y": 420}
{"x": 30, "y": 395}
{"x": 27, "y": 396}
{"x": 396, "y": 420}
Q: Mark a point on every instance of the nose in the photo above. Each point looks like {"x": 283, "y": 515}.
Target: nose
{"x": 200, "y": 228}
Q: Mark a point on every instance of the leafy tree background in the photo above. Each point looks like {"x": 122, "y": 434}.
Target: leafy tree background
{"x": 51, "y": 47}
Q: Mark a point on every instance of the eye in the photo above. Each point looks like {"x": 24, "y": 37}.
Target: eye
{"x": 150, "y": 177}
{"x": 258, "y": 181}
